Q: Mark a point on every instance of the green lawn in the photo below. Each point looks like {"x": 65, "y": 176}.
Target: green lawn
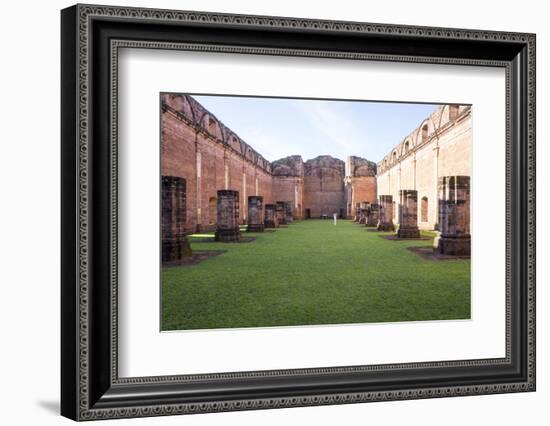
{"x": 313, "y": 273}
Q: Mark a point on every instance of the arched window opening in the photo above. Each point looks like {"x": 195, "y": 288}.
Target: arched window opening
{"x": 407, "y": 147}
{"x": 453, "y": 112}
{"x": 211, "y": 126}
{"x": 424, "y": 209}
{"x": 424, "y": 132}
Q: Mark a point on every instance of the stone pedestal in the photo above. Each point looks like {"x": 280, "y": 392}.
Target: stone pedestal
{"x": 174, "y": 242}
{"x": 454, "y": 216}
{"x": 373, "y": 215}
{"x": 363, "y": 213}
{"x": 288, "y": 212}
{"x": 281, "y": 217}
{"x": 255, "y": 213}
{"x": 227, "y": 226}
{"x": 270, "y": 218}
{"x": 408, "y": 213}
{"x": 385, "y": 222}
{"x": 357, "y": 208}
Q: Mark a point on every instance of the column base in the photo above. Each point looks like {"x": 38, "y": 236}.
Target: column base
{"x": 454, "y": 246}
{"x": 386, "y": 226}
{"x": 408, "y": 232}
{"x": 270, "y": 224}
{"x": 256, "y": 227}
{"x": 228, "y": 235}
{"x": 173, "y": 251}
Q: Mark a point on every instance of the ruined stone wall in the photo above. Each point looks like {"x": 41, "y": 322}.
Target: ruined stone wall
{"x": 288, "y": 183}
{"x": 440, "y": 146}
{"x": 198, "y": 147}
{"x": 324, "y": 192}
{"x": 360, "y": 183}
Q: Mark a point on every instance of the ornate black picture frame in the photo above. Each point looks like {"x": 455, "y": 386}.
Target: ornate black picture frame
{"x": 91, "y": 37}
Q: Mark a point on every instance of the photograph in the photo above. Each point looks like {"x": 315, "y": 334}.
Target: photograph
{"x": 269, "y": 208}
{"x": 284, "y": 212}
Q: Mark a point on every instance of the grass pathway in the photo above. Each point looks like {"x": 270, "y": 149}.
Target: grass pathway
{"x": 313, "y": 273}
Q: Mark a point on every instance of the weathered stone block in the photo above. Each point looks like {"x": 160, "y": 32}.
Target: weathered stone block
{"x": 288, "y": 212}
{"x": 270, "y": 219}
{"x": 363, "y": 213}
{"x": 385, "y": 222}
{"x": 174, "y": 241}
{"x": 281, "y": 217}
{"x": 373, "y": 215}
{"x": 357, "y": 208}
{"x": 255, "y": 213}
{"x": 454, "y": 216}
{"x": 408, "y": 205}
{"x": 227, "y": 225}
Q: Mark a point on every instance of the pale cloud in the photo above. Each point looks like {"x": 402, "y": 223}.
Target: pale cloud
{"x": 267, "y": 144}
{"x": 339, "y": 132}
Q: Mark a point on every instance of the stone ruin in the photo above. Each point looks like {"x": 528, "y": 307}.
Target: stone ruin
{"x": 373, "y": 215}
{"x": 288, "y": 212}
{"x": 255, "y": 213}
{"x": 270, "y": 218}
{"x": 408, "y": 213}
{"x": 454, "y": 216}
{"x": 385, "y": 222}
{"x": 357, "y": 208}
{"x": 280, "y": 209}
{"x": 363, "y": 213}
{"x": 227, "y": 225}
{"x": 174, "y": 241}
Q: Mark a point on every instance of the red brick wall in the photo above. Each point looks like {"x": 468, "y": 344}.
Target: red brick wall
{"x": 363, "y": 189}
{"x": 324, "y": 186}
{"x": 186, "y": 144}
{"x": 447, "y": 151}
{"x": 290, "y": 188}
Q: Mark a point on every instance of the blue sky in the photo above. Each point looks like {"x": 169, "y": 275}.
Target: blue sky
{"x": 277, "y": 128}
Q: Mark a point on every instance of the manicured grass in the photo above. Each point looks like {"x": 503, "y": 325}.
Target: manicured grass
{"x": 313, "y": 273}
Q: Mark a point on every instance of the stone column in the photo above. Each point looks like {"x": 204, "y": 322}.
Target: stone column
{"x": 356, "y": 216}
{"x": 245, "y": 205}
{"x": 271, "y": 216}
{"x": 436, "y": 187}
{"x": 255, "y": 213}
{"x": 281, "y": 218}
{"x": 198, "y": 175}
{"x": 408, "y": 214}
{"x": 288, "y": 212}
{"x": 373, "y": 215}
{"x": 414, "y": 171}
{"x": 225, "y": 170}
{"x": 385, "y": 223}
{"x": 227, "y": 226}
{"x": 454, "y": 216}
{"x": 363, "y": 213}
{"x": 174, "y": 242}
